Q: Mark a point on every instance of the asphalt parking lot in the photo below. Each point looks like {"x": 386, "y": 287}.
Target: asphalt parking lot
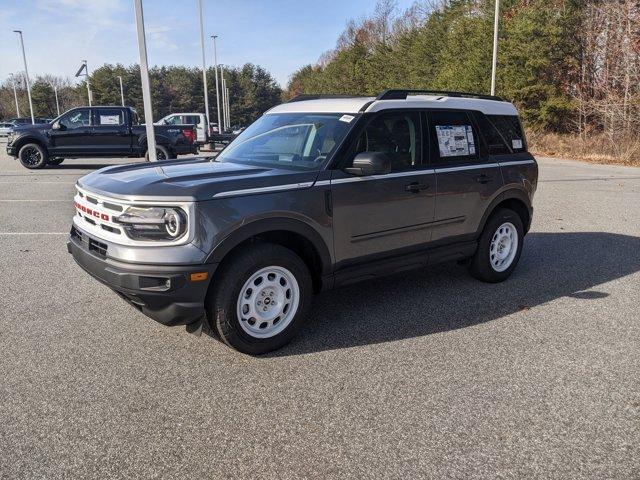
{"x": 427, "y": 375}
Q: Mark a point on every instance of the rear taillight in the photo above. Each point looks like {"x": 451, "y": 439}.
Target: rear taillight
{"x": 190, "y": 135}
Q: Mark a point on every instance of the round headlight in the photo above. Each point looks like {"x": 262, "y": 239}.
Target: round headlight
{"x": 174, "y": 223}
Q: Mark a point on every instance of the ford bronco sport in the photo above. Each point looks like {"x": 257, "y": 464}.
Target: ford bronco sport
{"x": 317, "y": 193}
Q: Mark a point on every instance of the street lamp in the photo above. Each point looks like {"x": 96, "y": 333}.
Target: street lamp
{"x": 144, "y": 77}
{"x": 15, "y": 95}
{"x": 215, "y": 63}
{"x": 26, "y": 76}
{"x": 494, "y": 63}
{"x": 86, "y": 74}
{"x": 121, "y": 90}
{"x": 55, "y": 91}
{"x": 204, "y": 67}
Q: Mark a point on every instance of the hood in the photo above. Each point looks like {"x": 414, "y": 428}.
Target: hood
{"x": 186, "y": 180}
{"x": 28, "y": 127}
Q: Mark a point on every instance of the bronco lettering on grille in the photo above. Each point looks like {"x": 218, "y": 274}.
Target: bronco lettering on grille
{"x": 91, "y": 212}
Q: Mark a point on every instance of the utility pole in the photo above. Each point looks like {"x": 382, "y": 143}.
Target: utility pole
{"x": 495, "y": 48}
{"x": 15, "y": 95}
{"x": 121, "y": 90}
{"x": 215, "y": 63}
{"x": 144, "y": 77}
{"x": 26, "y": 76}
{"x": 204, "y": 67}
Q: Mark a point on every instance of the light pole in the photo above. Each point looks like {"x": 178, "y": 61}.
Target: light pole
{"x": 55, "y": 91}
{"x": 144, "y": 77}
{"x": 26, "y": 76}
{"x": 224, "y": 102}
{"x": 15, "y": 95}
{"x": 215, "y": 63}
{"x": 495, "y": 48}
{"x": 121, "y": 90}
{"x": 228, "y": 110}
{"x": 86, "y": 74}
{"x": 204, "y": 67}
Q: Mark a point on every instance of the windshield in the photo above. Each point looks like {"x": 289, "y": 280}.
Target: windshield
{"x": 301, "y": 141}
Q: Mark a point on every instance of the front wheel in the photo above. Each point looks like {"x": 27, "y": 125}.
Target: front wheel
{"x": 33, "y": 156}
{"x": 259, "y": 299}
{"x": 499, "y": 247}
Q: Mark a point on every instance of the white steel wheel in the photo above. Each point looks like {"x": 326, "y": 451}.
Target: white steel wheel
{"x": 504, "y": 247}
{"x": 268, "y": 302}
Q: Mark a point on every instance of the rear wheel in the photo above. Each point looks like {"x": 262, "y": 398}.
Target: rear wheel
{"x": 259, "y": 299}
{"x": 162, "y": 153}
{"x": 499, "y": 247}
{"x": 33, "y": 156}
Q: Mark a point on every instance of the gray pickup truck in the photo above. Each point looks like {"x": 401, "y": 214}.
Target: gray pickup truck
{"x": 319, "y": 192}
{"x": 95, "y": 132}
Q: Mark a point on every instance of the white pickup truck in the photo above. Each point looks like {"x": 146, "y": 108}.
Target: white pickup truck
{"x": 197, "y": 119}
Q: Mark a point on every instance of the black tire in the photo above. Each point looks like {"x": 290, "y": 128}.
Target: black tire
{"x": 222, "y": 301}
{"x": 55, "y": 161}
{"x": 162, "y": 153}
{"x": 33, "y": 156}
{"x": 482, "y": 263}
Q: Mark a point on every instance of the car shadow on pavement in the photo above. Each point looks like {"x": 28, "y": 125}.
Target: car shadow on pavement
{"x": 446, "y": 297}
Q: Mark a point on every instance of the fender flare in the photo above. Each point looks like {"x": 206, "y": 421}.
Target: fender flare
{"x": 265, "y": 225}
{"x": 22, "y": 141}
{"x": 509, "y": 194}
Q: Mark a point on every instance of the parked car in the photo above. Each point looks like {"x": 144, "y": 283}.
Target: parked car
{"x": 5, "y": 129}
{"x": 199, "y": 120}
{"x": 95, "y": 132}
{"x": 317, "y": 193}
{"x": 26, "y": 120}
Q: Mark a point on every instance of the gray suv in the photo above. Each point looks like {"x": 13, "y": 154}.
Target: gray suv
{"x": 319, "y": 192}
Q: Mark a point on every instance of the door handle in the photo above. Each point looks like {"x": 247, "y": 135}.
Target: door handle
{"x": 415, "y": 187}
{"x": 484, "y": 178}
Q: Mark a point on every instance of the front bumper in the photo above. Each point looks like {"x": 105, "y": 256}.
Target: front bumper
{"x": 164, "y": 293}
{"x": 11, "y": 151}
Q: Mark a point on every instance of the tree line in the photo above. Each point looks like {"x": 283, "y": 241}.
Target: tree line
{"x": 252, "y": 90}
{"x": 571, "y": 66}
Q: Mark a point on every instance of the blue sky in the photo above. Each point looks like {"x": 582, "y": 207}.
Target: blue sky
{"x": 280, "y": 35}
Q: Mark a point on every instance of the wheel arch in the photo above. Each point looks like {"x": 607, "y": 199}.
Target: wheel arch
{"x": 295, "y": 235}
{"x": 514, "y": 199}
{"x": 21, "y": 142}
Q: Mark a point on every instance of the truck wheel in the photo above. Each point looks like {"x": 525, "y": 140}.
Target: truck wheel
{"x": 499, "y": 247}
{"x": 259, "y": 299}
{"x": 162, "y": 153}
{"x": 33, "y": 156}
{"x": 55, "y": 161}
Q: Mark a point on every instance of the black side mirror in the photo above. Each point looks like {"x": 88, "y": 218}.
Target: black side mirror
{"x": 370, "y": 163}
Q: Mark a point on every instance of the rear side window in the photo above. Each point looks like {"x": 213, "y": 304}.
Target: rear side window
{"x": 453, "y": 137}
{"x": 192, "y": 119}
{"x": 496, "y": 143}
{"x": 109, "y": 117}
{"x": 510, "y": 128}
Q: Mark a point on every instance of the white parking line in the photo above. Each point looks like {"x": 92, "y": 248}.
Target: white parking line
{"x": 34, "y": 233}
{"x": 36, "y": 182}
{"x": 31, "y": 200}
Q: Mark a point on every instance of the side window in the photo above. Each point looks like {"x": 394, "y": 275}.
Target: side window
{"x": 397, "y": 134}
{"x": 496, "y": 144}
{"x": 109, "y": 117}
{"x": 453, "y": 137}
{"x": 510, "y": 128}
{"x": 174, "y": 120}
{"x": 77, "y": 118}
{"x": 192, "y": 120}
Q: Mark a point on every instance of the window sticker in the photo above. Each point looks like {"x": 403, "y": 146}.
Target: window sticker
{"x": 346, "y": 118}
{"x": 109, "y": 119}
{"x": 455, "y": 140}
{"x": 516, "y": 143}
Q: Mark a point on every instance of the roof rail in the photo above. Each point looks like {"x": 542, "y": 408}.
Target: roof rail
{"x": 397, "y": 94}
{"x": 313, "y": 96}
